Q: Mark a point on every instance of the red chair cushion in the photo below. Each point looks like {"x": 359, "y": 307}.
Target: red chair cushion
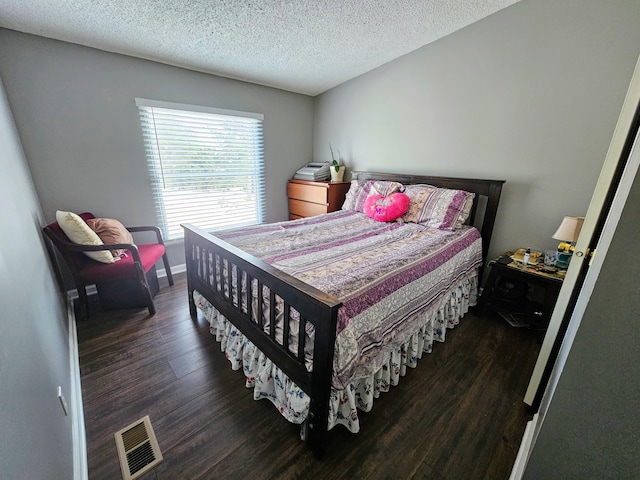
{"x": 96, "y": 272}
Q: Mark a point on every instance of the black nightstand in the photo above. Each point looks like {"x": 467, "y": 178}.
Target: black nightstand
{"x": 509, "y": 292}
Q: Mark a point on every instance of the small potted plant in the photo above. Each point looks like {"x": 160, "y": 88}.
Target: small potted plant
{"x": 337, "y": 170}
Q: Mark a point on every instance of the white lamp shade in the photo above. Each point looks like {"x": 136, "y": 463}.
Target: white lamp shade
{"x": 569, "y": 229}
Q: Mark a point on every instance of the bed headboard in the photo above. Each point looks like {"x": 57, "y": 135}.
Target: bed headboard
{"x": 485, "y": 204}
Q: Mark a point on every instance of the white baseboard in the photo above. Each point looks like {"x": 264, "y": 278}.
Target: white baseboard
{"x": 525, "y": 449}
{"x": 162, "y": 273}
{"x": 78, "y": 435}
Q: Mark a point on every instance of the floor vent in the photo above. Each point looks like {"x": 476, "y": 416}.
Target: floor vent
{"x": 138, "y": 449}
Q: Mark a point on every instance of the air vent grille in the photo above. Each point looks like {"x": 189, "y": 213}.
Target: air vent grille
{"x": 138, "y": 449}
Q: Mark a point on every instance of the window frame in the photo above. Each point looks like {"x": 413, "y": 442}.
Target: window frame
{"x": 249, "y": 124}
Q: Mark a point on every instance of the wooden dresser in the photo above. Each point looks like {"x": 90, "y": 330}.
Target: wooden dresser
{"x": 307, "y": 199}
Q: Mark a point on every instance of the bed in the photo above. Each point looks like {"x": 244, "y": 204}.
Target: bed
{"x": 354, "y": 301}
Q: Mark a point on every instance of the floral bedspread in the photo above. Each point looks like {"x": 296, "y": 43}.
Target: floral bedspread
{"x": 345, "y": 253}
{"x": 384, "y": 273}
{"x": 402, "y": 286}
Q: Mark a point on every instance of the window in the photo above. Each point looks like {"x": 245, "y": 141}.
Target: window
{"x": 206, "y": 165}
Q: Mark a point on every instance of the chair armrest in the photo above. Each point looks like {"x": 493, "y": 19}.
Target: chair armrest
{"x": 148, "y": 229}
{"x": 132, "y": 247}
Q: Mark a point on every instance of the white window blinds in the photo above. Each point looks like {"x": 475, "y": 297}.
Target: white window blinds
{"x": 206, "y": 165}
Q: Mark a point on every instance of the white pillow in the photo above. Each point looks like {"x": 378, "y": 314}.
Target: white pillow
{"x": 79, "y": 232}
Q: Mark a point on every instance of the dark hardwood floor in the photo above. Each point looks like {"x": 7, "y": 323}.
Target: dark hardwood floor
{"x": 459, "y": 415}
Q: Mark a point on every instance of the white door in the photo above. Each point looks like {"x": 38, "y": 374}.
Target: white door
{"x": 590, "y": 235}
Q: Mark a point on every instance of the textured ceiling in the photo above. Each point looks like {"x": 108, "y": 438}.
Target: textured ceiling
{"x": 304, "y": 46}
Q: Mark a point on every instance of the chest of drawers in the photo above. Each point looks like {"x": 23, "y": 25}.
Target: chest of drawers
{"x": 307, "y": 199}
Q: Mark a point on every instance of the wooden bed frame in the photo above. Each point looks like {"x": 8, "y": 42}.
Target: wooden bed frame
{"x": 314, "y": 306}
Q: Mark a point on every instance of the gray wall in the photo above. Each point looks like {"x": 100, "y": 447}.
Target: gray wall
{"x": 530, "y": 95}
{"x": 34, "y": 351}
{"x": 591, "y": 427}
{"x": 74, "y": 108}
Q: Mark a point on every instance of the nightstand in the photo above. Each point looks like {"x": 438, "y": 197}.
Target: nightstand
{"x": 307, "y": 199}
{"x": 521, "y": 294}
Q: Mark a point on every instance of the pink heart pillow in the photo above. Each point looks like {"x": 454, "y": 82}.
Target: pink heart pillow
{"x": 386, "y": 209}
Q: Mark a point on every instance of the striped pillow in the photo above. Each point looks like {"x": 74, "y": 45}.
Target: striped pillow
{"x": 435, "y": 207}
{"x": 361, "y": 189}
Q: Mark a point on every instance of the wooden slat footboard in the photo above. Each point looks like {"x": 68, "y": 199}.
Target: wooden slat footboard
{"x": 210, "y": 262}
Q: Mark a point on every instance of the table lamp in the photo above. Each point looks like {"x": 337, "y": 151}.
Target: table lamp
{"x": 567, "y": 233}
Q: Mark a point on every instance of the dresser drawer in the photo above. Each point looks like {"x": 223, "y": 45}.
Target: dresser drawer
{"x": 305, "y": 209}
{"x": 308, "y": 193}
{"x": 308, "y": 199}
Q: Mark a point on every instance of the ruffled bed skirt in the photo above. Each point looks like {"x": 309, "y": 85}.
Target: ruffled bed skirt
{"x": 268, "y": 381}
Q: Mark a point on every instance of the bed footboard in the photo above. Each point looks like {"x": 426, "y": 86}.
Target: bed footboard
{"x": 210, "y": 263}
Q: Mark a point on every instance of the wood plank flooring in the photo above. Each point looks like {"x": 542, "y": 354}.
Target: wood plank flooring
{"x": 459, "y": 415}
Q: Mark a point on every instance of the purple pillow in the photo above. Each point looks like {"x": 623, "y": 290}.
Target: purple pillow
{"x": 361, "y": 189}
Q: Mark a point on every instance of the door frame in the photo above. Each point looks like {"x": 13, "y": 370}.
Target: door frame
{"x": 621, "y": 167}
{"x": 607, "y": 187}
